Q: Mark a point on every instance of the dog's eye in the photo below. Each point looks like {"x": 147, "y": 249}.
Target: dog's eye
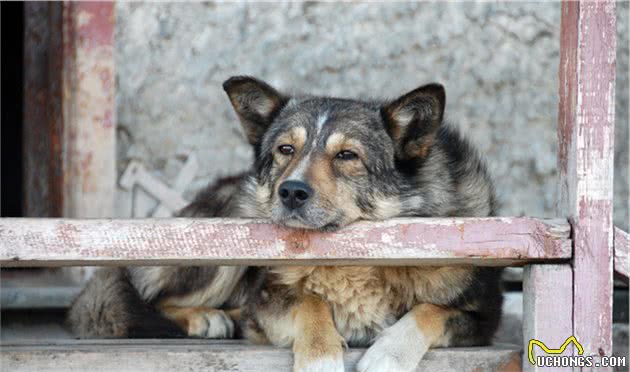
{"x": 286, "y": 149}
{"x": 346, "y": 155}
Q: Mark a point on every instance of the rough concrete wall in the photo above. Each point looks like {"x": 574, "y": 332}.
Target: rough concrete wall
{"x": 622, "y": 116}
{"x": 498, "y": 62}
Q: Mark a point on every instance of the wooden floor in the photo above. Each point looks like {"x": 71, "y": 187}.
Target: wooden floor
{"x": 35, "y": 340}
{"x": 205, "y": 355}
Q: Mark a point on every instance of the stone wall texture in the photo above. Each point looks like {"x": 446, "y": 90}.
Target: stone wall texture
{"x": 499, "y": 64}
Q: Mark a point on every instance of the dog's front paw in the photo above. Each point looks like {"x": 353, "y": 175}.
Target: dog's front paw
{"x": 317, "y": 357}
{"x": 210, "y": 323}
{"x": 327, "y": 364}
{"x": 399, "y": 348}
{"x": 383, "y": 357}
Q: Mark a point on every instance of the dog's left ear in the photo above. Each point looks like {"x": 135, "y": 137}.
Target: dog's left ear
{"x": 413, "y": 119}
{"x": 256, "y": 103}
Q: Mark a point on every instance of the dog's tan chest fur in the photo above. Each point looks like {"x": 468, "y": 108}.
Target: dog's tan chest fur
{"x": 358, "y": 297}
{"x": 365, "y": 300}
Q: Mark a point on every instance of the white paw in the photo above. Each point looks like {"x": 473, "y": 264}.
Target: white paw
{"x": 211, "y": 324}
{"x": 381, "y": 358}
{"x": 399, "y": 348}
{"x": 320, "y": 365}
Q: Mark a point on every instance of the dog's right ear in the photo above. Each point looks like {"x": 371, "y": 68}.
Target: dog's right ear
{"x": 256, "y": 103}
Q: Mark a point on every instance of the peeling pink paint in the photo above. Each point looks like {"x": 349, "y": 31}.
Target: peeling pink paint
{"x": 98, "y": 27}
{"x": 89, "y": 91}
{"x": 585, "y": 158}
{"x": 106, "y": 79}
{"x": 172, "y": 241}
{"x": 107, "y": 121}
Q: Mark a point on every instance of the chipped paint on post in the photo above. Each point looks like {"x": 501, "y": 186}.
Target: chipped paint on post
{"x": 585, "y": 162}
{"x": 89, "y": 109}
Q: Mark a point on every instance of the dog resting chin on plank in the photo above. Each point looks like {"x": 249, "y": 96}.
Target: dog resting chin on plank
{"x": 322, "y": 163}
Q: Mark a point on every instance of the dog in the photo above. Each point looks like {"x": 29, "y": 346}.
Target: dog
{"x": 322, "y": 163}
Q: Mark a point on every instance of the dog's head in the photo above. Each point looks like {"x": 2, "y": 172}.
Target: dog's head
{"x": 322, "y": 163}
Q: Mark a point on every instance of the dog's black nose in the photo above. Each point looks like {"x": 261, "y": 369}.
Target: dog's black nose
{"x": 294, "y": 193}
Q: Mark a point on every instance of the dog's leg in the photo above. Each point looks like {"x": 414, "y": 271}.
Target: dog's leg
{"x": 317, "y": 346}
{"x": 402, "y": 346}
{"x": 203, "y": 322}
{"x": 304, "y": 322}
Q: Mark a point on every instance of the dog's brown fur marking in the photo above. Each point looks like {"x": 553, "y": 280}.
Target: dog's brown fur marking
{"x": 431, "y": 320}
{"x": 316, "y": 335}
{"x": 320, "y": 174}
{"x": 191, "y": 319}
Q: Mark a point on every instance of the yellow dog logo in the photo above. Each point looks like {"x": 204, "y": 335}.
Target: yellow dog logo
{"x": 560, "y": 350}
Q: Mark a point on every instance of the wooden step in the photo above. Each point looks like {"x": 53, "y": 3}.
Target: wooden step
{"x": 204, "y": 355}
{"x": 50, "y": 288}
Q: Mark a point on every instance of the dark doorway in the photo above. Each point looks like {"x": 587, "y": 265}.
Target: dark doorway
{"x": 11, "y": 91}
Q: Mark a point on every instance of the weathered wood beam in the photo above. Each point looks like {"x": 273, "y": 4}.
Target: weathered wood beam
{"x": 37, "y": 288}
{"x": 585, "y": 162}
{"x": 622, "y": 252}
{"x": 181, "y": 241}
{"x": 547, "y": 310}
{"x": 205, "y": 355}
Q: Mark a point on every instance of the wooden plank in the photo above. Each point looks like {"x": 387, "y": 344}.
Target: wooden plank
{"x": 585, "y": 162}
{"x": 205, "y": 355}
{"x": 182, "y": 241}
{"x": 547, "y": 310}
{"x": 44, "y": 297}
{"x": 37, "y": 288}
{"x": 622, "y": 252}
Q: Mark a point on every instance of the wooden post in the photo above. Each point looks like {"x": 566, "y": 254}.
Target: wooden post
{"x": 89, "y": 112}
{"x": 585, "y": 163}
{"x": 547, "y": 310}
{"x": 69, "y": 113}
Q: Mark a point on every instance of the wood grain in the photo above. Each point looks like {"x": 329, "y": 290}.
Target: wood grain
{"x": 547, "y": 309}
{"x": 88, "y": 107}
{"x": 585, "y": 162}
{"x": 204, "y": 355}
{"x": 181, "y": 241}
